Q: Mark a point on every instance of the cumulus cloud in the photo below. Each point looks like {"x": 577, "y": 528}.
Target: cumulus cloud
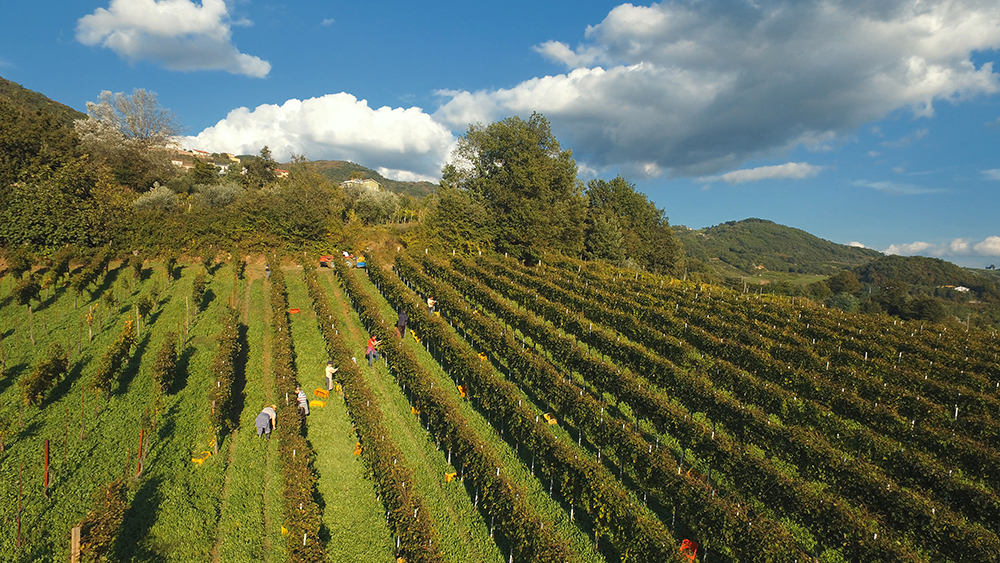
{"x": 178, "y": 34}
{"x": 328, "y": 22}
{"x": 856, "y": 244}
{"x": 990, "y": 246}
{"x": 698, "y": 87}
{"x": 791, "y": 170}
{"x": 909, "y": 249}
{"x": 897, "y": 188}
{"x": 407, "y": 142}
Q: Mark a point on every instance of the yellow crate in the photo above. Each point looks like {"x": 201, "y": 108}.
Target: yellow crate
{"x": 549, "y": 417}
{"x": 321, "y": 393}
{"x": 315, "y": 403}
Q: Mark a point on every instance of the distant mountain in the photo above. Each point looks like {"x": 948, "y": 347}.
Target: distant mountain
{"x": 754, "y": 244}
{"x": 340, "y": 170}
{"x": 927, "y": 275}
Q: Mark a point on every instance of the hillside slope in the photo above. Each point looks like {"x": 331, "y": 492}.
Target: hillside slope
{"x": 752, "y": 243}
{"x": 340, "y": 170}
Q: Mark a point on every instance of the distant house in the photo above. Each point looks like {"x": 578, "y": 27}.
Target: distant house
{"x": 280, "y": 173}
{"x": 367, "y": 183}
{"x": 962, "y": 289}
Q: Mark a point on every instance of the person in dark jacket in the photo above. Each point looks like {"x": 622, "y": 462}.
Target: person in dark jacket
{"x": 401, "y": 323}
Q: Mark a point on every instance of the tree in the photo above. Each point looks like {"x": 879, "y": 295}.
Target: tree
{"x": 526, "y": 183}
{"x": 844, "y": 282}
{"x": 646, "y": 236}
{"x": 131, "y": 134}
{"x": 258, "y": 171}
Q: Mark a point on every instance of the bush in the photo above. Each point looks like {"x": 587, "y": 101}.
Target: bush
{"x": 160, "y": 198}
{"x": 100, "y": 528}
{"x": 166, "y": 364}
{"x": 198, "y": 290}
{"x": 46, "y": 374}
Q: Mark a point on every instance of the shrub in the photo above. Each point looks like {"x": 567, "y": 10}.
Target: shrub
{"x": 166, "y": 364}
{"x": 46, "y": 374}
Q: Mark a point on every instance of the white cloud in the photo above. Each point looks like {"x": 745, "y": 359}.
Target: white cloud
{"x": 874, "y": 154}
{"x": 897, "y": 188}
{"x": 561, "y": 53}
{"x": 992, "y": 174}
{"x": 328, "y": 22}
{"x": 178, "y": 34}
{"x": 700, "y": 87}
{"x": 407, "y": 142}
{"x": 990, "y": 246}
{"x": 909, "y": 249}
{"x": 856, "y": 244}
{"x": 790, "y": 170}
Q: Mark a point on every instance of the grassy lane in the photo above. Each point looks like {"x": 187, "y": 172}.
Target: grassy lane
{"x": 187, "y": 501}
{"x": 513, "y": 465}
{"x": 463, "y": 534}
{"x": 352, "y": 515}
{"x": 247, "y": 530}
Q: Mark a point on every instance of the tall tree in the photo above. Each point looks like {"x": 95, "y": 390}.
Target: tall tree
{"x": 131, "y": 133}
{"x": 258, "y": 171}
{"x": 645, "y": 235}
{"x": 527, "y": 184}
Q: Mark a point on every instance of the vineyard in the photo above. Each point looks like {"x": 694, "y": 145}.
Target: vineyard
{"x": 566, "y": 411}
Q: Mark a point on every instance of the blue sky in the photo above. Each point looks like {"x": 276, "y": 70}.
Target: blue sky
{"x": 860, "y": 122}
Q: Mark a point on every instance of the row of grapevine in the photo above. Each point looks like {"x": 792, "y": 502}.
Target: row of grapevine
{"x": 651, "y": 465}
{"x": 958, "y": 543}
{"x": 301, "y": 512}
{"x": 405, "y": 510}
{"x": 529, "y": 535}
{"x": 912, "y": 468}
{"x": 859, "y": 481}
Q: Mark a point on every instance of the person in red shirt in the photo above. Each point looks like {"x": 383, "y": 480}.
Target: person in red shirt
{"x": 371, "y": 353}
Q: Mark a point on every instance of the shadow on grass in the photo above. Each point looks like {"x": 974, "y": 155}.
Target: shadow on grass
{"x": 139, "y": 519}
{"x": 240, "y": 381}
{"x": 181, "y": 370}
{"x": 132, "y": 367}
{"x": 63, "y": 387}
{"x": 206, "y": 300}
{"x": 10, "y": 375}
{"x": 106, "y": 283}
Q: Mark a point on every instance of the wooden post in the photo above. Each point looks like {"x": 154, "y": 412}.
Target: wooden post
{"x": 46, "y": 482}
{"x": 20, "y": 481}
{"x": 187, "y": 314}
{"x": 83, "y": 435}
{"x": 138, "y": 464}
{"x": 66, "y": 440}
{"x": 74, "y": 545}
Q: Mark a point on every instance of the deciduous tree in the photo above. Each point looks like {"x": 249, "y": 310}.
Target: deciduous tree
{"x": 526, "y": 182}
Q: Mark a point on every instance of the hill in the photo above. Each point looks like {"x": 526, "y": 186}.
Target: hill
{"x": 340, "y": 170}
{"x": 35, "y": 102}
{"x": 754, "y": 244}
